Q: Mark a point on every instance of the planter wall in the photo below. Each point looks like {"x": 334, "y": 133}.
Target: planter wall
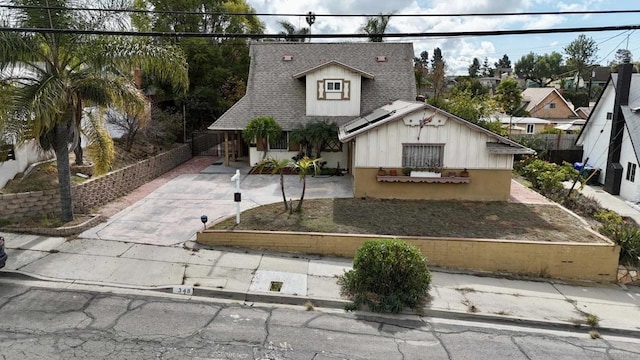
{"x": 94, "y": 192}
{"x": 595, "y": 261}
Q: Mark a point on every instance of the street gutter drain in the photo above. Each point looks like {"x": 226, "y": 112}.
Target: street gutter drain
{"x": 275, "y": 286}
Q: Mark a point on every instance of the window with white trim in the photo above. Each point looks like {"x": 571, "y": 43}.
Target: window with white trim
{"x": 422, "y": 155}
{"x": 631, "y": 172}
{"x": 281, "y": 142}
{"x": 333, "y": 85}
{"x": 530, "y": 128}
{"x": 550, "y": 105}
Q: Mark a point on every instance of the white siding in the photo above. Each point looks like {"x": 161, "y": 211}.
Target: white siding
{"x": 628, "y": 189}
{"x": 332, "y": 158}
{"x": 597, "y": 133}
{"x": 333, "y": 107}
{"x": 464, "y": 147}
{"x": 26, "y": 155}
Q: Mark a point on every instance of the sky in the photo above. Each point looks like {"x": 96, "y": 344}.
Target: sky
{"x": 458, "y": 53}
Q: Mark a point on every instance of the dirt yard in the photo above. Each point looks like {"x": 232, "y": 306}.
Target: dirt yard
{"x": 483, "y": 220}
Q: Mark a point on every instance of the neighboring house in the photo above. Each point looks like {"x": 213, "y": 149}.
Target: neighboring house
{"x": 296, "y": 83}
{"x": 516, "y": 125}
{"x": 573, "y": 127}
{"x": 611, "y": 135}
{"x": 583, "y": 112}
{"x": 473, "y": 163}
{"x": 548, "y": 103}
{"x": 599, "y": 76}
{"x": 490, "y": 82}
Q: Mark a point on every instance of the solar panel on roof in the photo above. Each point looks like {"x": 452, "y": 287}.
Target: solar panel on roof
{"x": 371, "y": 118}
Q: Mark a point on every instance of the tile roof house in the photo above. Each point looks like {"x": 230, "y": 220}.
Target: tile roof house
{"x": 611, "y": 135}
{"x": 296, "y": 83}
{"x": 449, "y": 158}
{"x": 549, "y": 104}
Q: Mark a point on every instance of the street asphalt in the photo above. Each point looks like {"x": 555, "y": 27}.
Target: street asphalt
{"x": 150, "y": 246}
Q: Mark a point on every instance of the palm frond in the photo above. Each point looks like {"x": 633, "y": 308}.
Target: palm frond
{"x": 101, "y": 148}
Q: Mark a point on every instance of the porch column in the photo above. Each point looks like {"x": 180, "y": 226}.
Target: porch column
{"x": 226, "y": 148}
{"x": 239, "y": 145}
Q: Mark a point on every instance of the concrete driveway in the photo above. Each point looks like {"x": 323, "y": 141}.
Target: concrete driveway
{"x": 170, "y": 215}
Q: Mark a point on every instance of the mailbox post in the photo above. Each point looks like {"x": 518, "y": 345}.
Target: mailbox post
{"x": 236, "y": 195}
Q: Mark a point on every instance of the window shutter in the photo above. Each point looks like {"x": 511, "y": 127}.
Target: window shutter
{"x": 321, "y": 95}
{"x": 346, "y": 88}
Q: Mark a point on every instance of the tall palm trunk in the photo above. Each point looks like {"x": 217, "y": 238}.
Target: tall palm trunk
{"x": 304, "y": 188}
{"x": 61, "y": 143}
{"x": 284, "y": 197}
{"x": 78, "y": 118}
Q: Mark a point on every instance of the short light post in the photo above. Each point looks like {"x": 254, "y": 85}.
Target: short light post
{"x": 237, "y": 197}
{"x": 204, "y": 220}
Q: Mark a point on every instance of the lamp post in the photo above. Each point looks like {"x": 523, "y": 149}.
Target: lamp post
{"x": 204, "y": 220}
{"x": 311, "y": 19}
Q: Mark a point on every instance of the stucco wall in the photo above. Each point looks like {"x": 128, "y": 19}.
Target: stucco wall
{"x": 597, "y": 262}
{"x": 484, "y": 185}
{"x": 94, "y": 192}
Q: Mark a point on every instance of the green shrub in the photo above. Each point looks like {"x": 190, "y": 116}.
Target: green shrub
{"x": 388, "y": 275}
{"x": 628, "y": 237}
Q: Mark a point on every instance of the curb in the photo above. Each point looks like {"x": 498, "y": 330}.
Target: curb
{"x": 252, "y": 297}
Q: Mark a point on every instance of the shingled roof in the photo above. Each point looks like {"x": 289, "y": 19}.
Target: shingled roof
{"x": 272, "y": 89}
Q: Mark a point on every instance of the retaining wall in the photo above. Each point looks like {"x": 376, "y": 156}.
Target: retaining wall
{"x": 93, "y": 192}
{"x": 582, "y": 261}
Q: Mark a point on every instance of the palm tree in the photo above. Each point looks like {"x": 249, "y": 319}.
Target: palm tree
{"x": 376, "y": 26}
{"x": 261, "y": 129}
{"x": 277, "y": 166}
{"x": 290, "y": 29}
{"x": 60, "y": 71}
{"x": 304, "y": 167}
{"x": 315, "y": 135}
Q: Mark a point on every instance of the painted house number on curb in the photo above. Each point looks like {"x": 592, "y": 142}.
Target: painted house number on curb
{"x": 183, "y": 290}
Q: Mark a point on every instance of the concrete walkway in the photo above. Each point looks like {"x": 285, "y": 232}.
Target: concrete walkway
{"x": 148, "y": 244}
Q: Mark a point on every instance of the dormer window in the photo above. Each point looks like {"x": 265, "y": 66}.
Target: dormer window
{"x": 333, "y": 85}
{"x": 334, "y": 89}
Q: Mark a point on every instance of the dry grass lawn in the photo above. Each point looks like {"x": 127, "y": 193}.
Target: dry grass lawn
{"x": 484, "y": 220}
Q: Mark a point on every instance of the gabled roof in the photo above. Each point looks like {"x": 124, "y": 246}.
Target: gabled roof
{"x": 398, "y": 109}
{"x": 586, "y": 110}
{"x": 631, "y": 112}
{"x": 534, "y": 96}
{"x": 333, "y": 62}
{"x": 273, "y": 91}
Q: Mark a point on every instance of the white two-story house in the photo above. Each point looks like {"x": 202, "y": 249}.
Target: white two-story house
{"x": 297, "y": 83}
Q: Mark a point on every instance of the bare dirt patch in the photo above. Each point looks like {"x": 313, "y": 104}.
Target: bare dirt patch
{"x": 482, "y": 220}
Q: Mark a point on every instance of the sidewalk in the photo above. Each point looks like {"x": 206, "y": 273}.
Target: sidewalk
{"x": 247, "y": 276}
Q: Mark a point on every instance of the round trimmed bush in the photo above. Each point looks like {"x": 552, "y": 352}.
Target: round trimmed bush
{"x": 388, "y": 275}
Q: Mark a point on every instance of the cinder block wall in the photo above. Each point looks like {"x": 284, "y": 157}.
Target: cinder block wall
{"x": 94, "y": 192}
{"x": 104, "y": 189}
{"x": 592, "y": 261}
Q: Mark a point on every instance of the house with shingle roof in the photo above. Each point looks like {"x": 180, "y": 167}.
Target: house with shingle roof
{"x": 548, "y": 104}
{"x": 297, "y": 83}
{"x": 412, "y": 150}
{"x": 611, "y": 136}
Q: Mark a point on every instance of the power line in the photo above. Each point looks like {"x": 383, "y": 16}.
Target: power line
{"x": 325, "y": 36}
{"x": 176, "y": 12}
